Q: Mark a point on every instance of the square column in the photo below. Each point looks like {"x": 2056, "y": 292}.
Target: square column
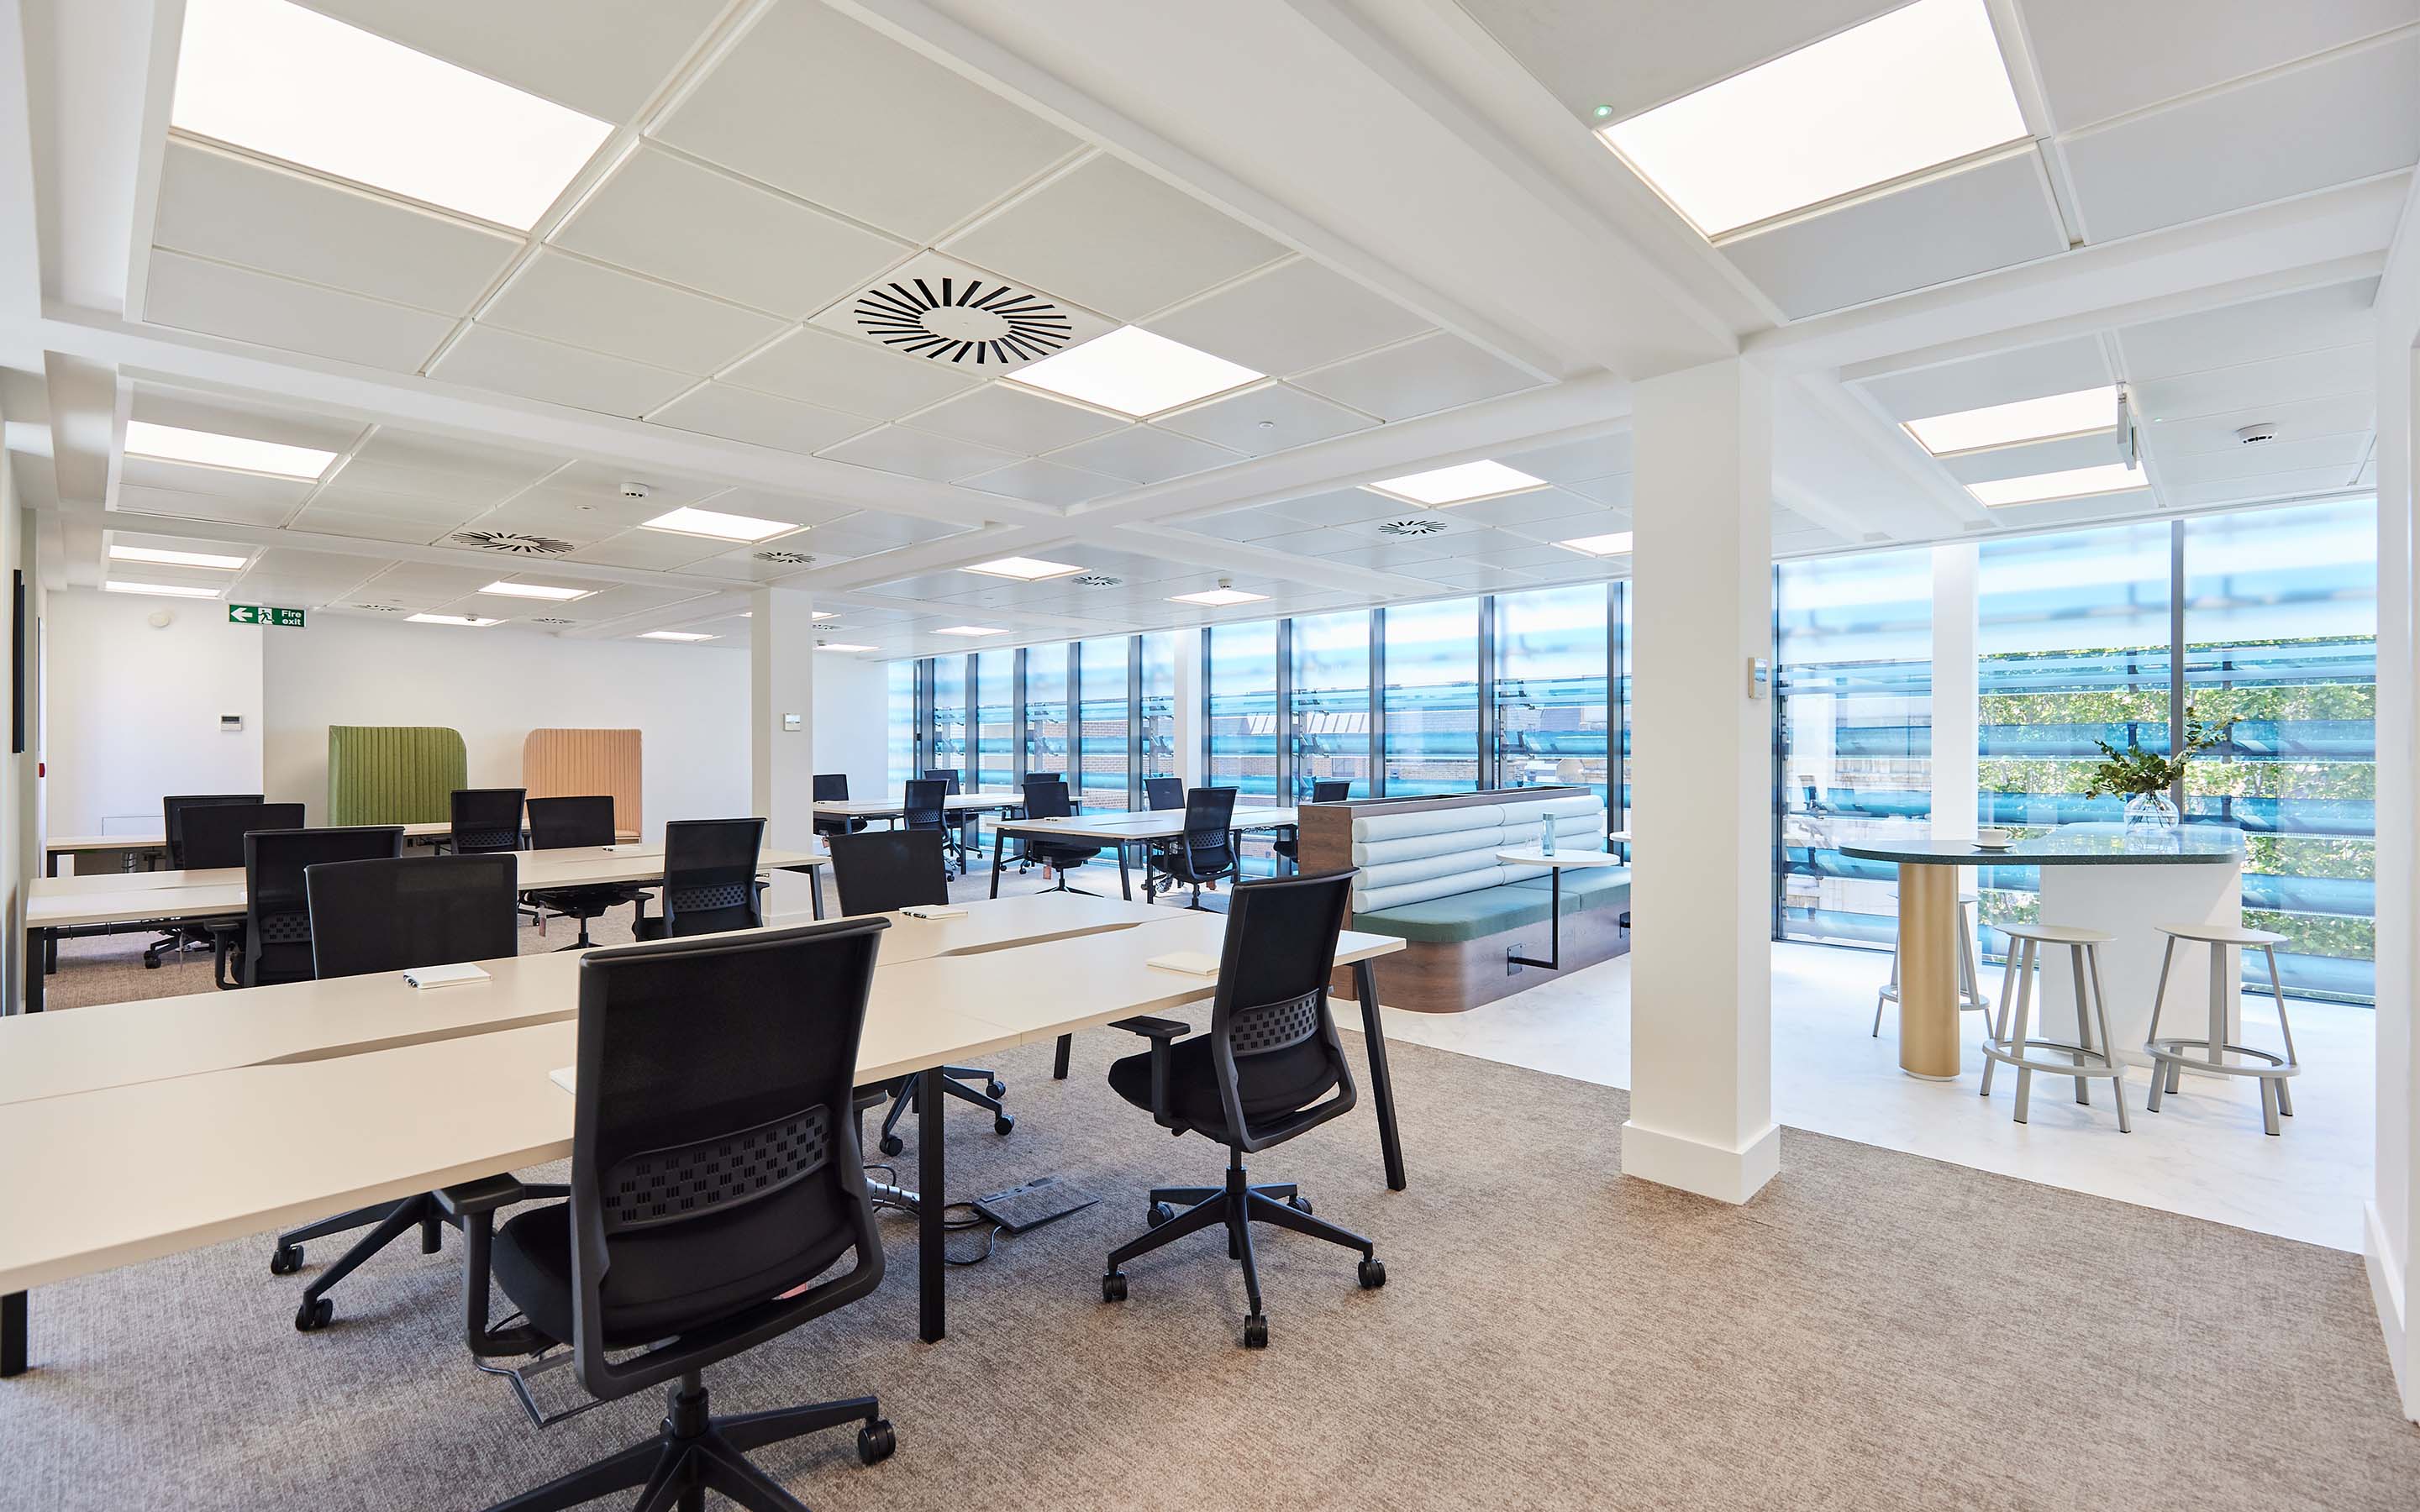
{"x": 1701, "y": 950}
{"x": 782, "y": 688}
{"x": 1956, "y": 693}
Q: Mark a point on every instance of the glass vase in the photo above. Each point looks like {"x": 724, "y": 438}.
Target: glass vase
{"x": 2150, "y": 813}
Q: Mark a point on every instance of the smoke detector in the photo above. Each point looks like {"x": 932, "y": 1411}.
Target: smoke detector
{"x": 2255, "y": 435}
{"x": 634, "y": 491}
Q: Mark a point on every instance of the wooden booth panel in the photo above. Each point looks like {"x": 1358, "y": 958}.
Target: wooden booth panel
{"x": 577, "y": 764}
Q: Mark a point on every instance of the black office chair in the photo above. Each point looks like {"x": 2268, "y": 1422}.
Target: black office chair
{"x": 487, "y": 820}
{"x": 567, "y": 823}
{"x": 1270, "y": 1068}
{"x": 1163, "y": 792}
{"x": 1047, "y": 797}
{"x": 710, "y": 880}
{"x": 891, "y": 868}
{"x": 832, "y": 787}
{"x": 172, "y": 830}
{"x": 922, "y": 810}
{"x": 1204, "y": 854}
{"x": 276, "y": 942}
{"x": 1323, "y": 790}
{"x": 393, "y": 914}
{"x": 715, "y": 1175}
{"x": 965, "y": 825}
{"x": 213, "y": 840}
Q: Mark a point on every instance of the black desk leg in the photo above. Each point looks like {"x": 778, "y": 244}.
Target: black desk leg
{"x": 931, "y": 1304}
{"x": 1058, "y": 1065}
{"x": 1554, "y": 961}
{"x": 1381, "y": 1084}
{"x": 12, "y": 1335}
{"x": 1125, "y": 882}
{"x": 815, "y": 888}
{"x": 999, "y": 843}
{"x": 36, "y": 941}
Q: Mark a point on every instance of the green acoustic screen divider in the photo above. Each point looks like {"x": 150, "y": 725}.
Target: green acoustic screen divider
{"x": 394, "y": 774}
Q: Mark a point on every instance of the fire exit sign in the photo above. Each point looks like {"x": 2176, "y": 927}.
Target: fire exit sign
{"x": 258, "y": 615}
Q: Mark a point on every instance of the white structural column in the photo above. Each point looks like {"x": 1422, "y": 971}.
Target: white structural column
{"x": 1701, "y": 953}
{"x": 2390, "y": 1249}
{"x": 1955, "y": 690}
{"x": 780, "y": 690}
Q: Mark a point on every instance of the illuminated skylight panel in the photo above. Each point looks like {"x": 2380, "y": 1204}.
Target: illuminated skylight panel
{"x": 1024, "y": 570}
{"x": 2073, "y": 482}
{"x": 209, "y": 449}
{"x": 677, "y": 635}
{"x": 718, "y": 526}
{"x": 1906, "y": 91}
{"x": 474, "y": 620}
{"x": 842, "y": 645}
{"x": 1613, "y": 545}
{"x": 163, "y": 590}
{"x": 289, "y": 83}
{"x": 546, "y": 591}
{"x": 1135, "y": 373}
{"x": 2078, "y": 413}
{"x": 158, "y": 557}
{"x": 1220, "y": 598}
{"x": 1461, "y": 483}
{"x": 971, "y": 631}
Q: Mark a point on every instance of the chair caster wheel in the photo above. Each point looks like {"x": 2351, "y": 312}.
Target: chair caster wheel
{"x": 285, "y": 1260}
{"x": 1374, "y": 1274}
{"x": 995, "y": 1088}
{"x": 313, "y": 1315}
{"x": 1003, "y": 1124}
{"x": 1256, "y": 1332}
{"x": 876, "y": 1443}
{"x": 150, "y": 961}
{"x": 1300, "y": 1204}
{"x": 893, "y": 1144}
{"x": 1160, "y": 1213}
{"x": 1113, "y": 1287}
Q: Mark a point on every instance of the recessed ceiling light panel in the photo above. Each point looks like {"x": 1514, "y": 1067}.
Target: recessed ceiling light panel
{"x": 842, "y": 645}
{"x": 718, "y": 526}
{"x": 163, "y": 590}
{"x": 1613, "y": 545}
{"x": 1461, "y": 483}
{"x": 1913, "y": 88}
{"x": 971, "y": 631}
{"x": 546, "y": 591}
{"x": 1136, "y": 373}
{"x": 1220, "y": 598}
{"x": 175, "y": 559}
{"x": 290, "y": 84}
{"x": 1024, "y": 570}
{"x": 2048, "y": 418}
{"x": 675, "y": 635}
{"x": 209, "y": 449}
{"x": 2071, "y": 483}
{"x": 472, "y": 619}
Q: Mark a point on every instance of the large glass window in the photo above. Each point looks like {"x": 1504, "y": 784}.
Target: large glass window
{"x": 1241, "y": 733}
{"x": 1854, "y": 685}
{"x": 1551, "y": 712}
{"x": 1332, "y": 702}
{"x": 901, "y": 712}
{"x": 996, "y": 721}
{"x": 1046, "y": 708}
{"x": 1155, "y": 732}
{"x": 950, "y": 717}
{"x": 2281, "y": 633}
{"x": 1102, "y": 746}
{"x": 1431, "y": 701}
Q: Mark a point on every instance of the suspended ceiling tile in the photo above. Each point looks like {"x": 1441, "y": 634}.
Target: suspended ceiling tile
{"x": 243, "y": 305}
{"x": 2295, "y": 420}
{"x": 2344, "y": 454}
{"x": 815, "y": 104}
{"x": 237, "y": 210}
{"x": 918, "y": 454}
{"x": 1271, "y": 418}
{"x": 1515, "y": 509}
{"x": 580, "y": 303}
{"x": 1288, "y": 318}
{"x": 323, "y": 520}
{"x": 763, "y": 503}
{"x": 1015, "y": 420}
{"x": 1991, "y": 214}
{"x": 1438, "y": 371}
{"x": 1114, "y": 237}
{"x": 139, "y": 499}
{"x": 2346, "y": 116}
{"x": 1614, "y": 490}
{"x": 842, "y": 373}
{"x": 197, "y": 409}
{"x": 2337, "y": 371}
{"x": 217, "y": 483}
{"x": 491, "y": 357}
{"x": 745, "y": 415}
{"x": 1336, "y": 506}
{"x": 654, "y": 549}
{"x": 603, "y": 58}
{"x": 2001, "y": 378}
{"x": 868, "y": 532}
{"x": 343, "y": 497}
{"x": 422, "y": 583}
{"x": 1589, "y": 54}
{"x": 2024, "y": 461}
{"x": 397, "y": 462}
{"x": 1256, "y": 525}
{"x": 697, "y": 227}
{"x": 1046, "y": 483}
{"x": 2339, "y": 315}
{"x": 2257, "y": 488}
{"x": 1144, "y": 454}
{"x": 2099, "y": 60}
{"x": 1572, "y": 461}
{"x": 602, "y": 483}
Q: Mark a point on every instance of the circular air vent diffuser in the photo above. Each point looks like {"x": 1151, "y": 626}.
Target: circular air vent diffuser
{"x": 1414, "y": 526}
{"x": 515, "y": 542}
{"x": 785, "y": 559}
{"x": 1095, "y": 580}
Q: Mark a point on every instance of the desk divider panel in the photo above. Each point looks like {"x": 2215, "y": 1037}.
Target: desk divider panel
{"x": 394, "y": 774}
{"x": 578, "y": 764}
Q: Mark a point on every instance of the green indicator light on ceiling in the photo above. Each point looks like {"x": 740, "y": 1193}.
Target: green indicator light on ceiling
{"x": 1604, "y": 111}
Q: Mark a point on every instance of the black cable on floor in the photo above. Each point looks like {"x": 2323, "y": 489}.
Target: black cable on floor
{"x": 949, "y": 1226}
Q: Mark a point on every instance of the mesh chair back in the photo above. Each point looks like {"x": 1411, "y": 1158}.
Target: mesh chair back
{"x": 886, "y": 868}
{"x": 714, "y": 1160}
{"x": 486, "y": 819}
{"x": 410, "y": 911}
{"x": 711, "y": 875}
{"x": 1047, "y": 798}
{"x": 1208, "y": 811}
{"x": 1330, "y": 790}
{"x": 923, "y": 807}
{"x": 214, "y": 832}
{"x": 946, "y": 775}
{"x": 1272, "y": 1039}
{"x": 561, "y": 824}
{"x": 277, "y": 906}
{"x": 831, "y": 787}
{"x": 171, "y": 817}
{"x": 1163, "y": 792}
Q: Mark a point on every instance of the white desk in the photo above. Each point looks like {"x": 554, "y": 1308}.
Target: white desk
{"x": 894, "y": 808}
{"x": 140, "y": 1169}
{"x": 113, "y": 900}
{"x": 1122, "y": 830}
{"x": 1555, "y": 865}
{"x": 58, "y": 845}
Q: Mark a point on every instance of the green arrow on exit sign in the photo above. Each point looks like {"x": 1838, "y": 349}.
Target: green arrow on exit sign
{"x": 243, "y": 614}
{"x": 255, "y": 614}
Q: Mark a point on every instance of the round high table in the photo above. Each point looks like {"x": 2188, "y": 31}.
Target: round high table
{"x": 2095, "y": 876}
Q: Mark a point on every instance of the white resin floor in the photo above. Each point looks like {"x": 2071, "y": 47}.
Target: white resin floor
{"x": 2203, "y": 1154}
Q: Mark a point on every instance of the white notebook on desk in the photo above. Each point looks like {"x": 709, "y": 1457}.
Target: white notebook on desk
{"x": 934, "y": 911}
{"x": 566, "y": 1078}
{"x": 453, "y": 976}
{"x": 1187, "y": 963}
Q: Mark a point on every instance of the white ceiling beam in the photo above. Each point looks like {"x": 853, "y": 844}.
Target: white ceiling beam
{"x": 92, "y": 76}
{"x": 20, "y": 247}
{"x": 1214, "y": 555}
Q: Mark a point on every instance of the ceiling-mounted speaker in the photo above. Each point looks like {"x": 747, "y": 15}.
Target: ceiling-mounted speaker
{"x": 941, "y": 310}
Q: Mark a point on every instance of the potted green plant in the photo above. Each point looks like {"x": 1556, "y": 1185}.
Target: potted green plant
{"x": 2145, "y": 776}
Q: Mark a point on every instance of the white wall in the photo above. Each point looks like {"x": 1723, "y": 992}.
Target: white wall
{"x": 852, "y": 718}
{"x": 495, "y": 685}
{"x": 133, "y": 708}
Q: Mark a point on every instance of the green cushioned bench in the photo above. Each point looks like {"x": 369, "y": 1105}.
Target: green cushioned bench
{"x": 1461, "y": 916}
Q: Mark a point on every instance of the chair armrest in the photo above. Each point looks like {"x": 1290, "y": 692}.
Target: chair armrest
{"x": 484, "y": 1196}
{"x": 1161, "y": 1030}
{"x": 473, "y": 1204}
{"x": 1162, "y": 1033}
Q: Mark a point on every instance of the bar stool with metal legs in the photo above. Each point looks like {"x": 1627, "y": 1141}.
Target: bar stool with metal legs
{"x": 2010, "y": 1044}
{"x": 1970, "y": 995}
{"x": 2169, "y": 1060}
